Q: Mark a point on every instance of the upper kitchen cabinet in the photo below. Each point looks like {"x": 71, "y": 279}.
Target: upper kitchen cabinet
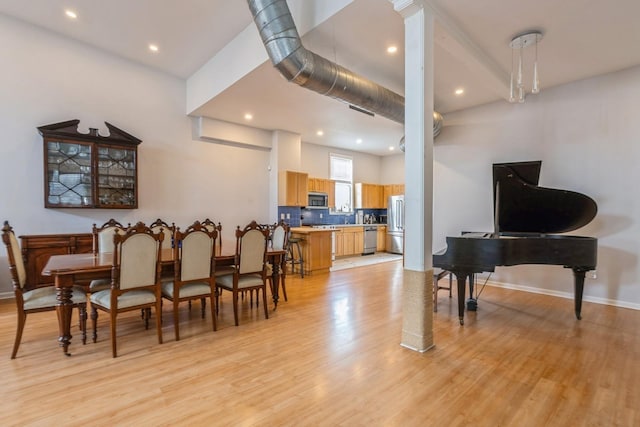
{"x": 89, "y": 170}
{"x": 292, "y": 188}
{"x": 322, "y": 185}
{"x": 369, "y": 196}
{"x": 392, "y": 190}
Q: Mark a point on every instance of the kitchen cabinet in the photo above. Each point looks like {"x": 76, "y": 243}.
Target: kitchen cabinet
{"x": 332, "y": 193}
{"x": 316, "y": 248}
{"x": 381, "y": 239}
{"x": 349, "y": 241}
{"x": 322, "y": 185}
{"x": 292, "y": 188}
{"x": 392, "y": 190}
{"x": 368, "y": 196}
{"x": 89, "y": 170}
{"x": 339, "y": 242}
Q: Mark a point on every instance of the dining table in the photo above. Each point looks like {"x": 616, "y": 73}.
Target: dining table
{"x": 68, "y": 269}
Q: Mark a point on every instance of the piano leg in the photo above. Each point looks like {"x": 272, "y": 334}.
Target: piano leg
{"x": 578, "y": 278}
{"x": 461, "y": 278}
{"x": 472, "y": 303}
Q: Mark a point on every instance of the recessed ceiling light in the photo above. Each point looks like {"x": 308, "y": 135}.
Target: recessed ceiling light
{"x": 359, "y": 141}
{"x": 153, "y": 48}
{"x": 392, "y": 49}
{"x": 248, "y": 116}
{"x": 320, "y": 133}
{"x": 459, "y": 91}
{"x": 392, "y": 148}
{"x": 71, "y": 14}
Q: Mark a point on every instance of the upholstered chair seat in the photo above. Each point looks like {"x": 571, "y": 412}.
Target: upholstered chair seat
{"x": 189, "y": 290}
{"x": 97, "y": 285}
{"x": 244, "y": 282}
{"x": 130, "y": 299}
{"x": 224, "y": 270}
{"x": 46, "y": 297}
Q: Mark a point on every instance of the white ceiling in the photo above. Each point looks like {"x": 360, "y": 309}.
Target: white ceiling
{"x": 582, "y": 38}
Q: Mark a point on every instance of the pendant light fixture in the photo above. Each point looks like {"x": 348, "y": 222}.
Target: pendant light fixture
{"x": 518, "y": 44}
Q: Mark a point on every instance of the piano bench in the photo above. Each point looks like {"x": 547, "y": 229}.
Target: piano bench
{"x": 438, "y": 274}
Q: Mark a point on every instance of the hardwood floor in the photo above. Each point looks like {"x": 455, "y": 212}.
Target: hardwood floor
{"x": 331, "y": 356}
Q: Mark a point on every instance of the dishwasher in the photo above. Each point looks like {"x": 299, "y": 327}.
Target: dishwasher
{"x": 370, "y": 239}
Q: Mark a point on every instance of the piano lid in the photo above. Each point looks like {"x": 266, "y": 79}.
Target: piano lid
{"x": 520, "y": 205}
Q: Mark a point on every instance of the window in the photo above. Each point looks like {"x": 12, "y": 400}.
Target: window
{"x": 341, "y": 171}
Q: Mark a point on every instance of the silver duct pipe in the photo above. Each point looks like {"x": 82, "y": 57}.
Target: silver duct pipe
{"x": 309, "y": 70}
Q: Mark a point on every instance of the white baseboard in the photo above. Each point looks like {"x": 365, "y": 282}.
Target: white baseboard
{"x": 6, "y": 295}
{"x": 567, "y": 295}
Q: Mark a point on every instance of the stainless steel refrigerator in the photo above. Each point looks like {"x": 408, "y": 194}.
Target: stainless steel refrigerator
{"x": 395, "y": 224}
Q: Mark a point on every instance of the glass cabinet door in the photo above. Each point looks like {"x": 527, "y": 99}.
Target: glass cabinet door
{"x": 116, "y": 177}
{"x": 69, "y": 174}
{"x": 88, "y": 170}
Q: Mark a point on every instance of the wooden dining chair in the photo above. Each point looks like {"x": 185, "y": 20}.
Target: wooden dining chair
{"x": 103, "y": 236}
{"x": 30, "y": 299}
{"x": 168, "y": 230}
{"x": 103, "y": 243}
{"x": 250, "y": 266}
{"x": 220, "y": 270}
{"x": 135, "y": 280}
{"x": 279, "y": 241}
{"x": 194, "y": 260}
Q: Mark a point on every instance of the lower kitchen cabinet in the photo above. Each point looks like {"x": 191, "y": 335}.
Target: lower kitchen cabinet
{"x": 316, "y": 248}
{"x": 381, "y": 239}
{"x": 349, "y": 241}
{"x": 339, "y": 242}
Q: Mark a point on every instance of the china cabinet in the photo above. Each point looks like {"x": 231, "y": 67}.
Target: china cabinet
{"x": 88, "y": 170}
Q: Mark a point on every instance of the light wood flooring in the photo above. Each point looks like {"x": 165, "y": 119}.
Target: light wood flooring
{"x": 330, "y": 356}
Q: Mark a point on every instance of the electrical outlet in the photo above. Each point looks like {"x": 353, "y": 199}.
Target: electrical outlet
{"x": 321, "y": 216}
{"x": 288, "y": 216}
{"x": 282, "y": 215}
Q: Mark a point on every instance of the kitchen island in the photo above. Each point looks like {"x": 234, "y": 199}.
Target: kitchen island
{"x": 315, "y": 244}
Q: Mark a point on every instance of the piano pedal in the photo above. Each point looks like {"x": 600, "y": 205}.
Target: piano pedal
{"x": 472, "y": 304}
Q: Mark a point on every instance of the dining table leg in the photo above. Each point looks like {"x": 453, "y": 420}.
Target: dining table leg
{"x": 64, "y": 310}
{"x": 275, "y": 280}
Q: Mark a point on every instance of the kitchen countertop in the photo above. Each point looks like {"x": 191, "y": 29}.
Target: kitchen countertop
{"x": 306, "y": 230}
{"x": 344, "y": 225}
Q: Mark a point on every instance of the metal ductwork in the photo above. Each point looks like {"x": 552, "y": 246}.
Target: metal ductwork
{"x": 309, "y": 70}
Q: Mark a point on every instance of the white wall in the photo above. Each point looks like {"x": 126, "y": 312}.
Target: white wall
{"x": 315, "y": 161}
{"x": 48, "y": 79}
{"x": 586, "y": 134}
{"x": 392, "y": 169}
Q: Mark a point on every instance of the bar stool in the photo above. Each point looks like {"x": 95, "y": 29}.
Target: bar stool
{"x": 295, "y": 242}
{"x": 437, "y": 275}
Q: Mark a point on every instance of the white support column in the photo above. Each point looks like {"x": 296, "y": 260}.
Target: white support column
{"x": 417, "y": 328}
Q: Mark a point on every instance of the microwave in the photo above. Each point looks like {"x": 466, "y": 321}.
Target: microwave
{"x": 318, "y": 200}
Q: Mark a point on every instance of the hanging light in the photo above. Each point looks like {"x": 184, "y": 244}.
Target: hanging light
{"x": 520, "y": 43}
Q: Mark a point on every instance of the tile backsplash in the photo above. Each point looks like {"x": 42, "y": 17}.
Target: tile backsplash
{"x": 296, "y": 216}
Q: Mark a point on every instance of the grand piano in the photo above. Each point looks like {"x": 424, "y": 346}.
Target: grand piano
{"x": 525, "y": 216}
